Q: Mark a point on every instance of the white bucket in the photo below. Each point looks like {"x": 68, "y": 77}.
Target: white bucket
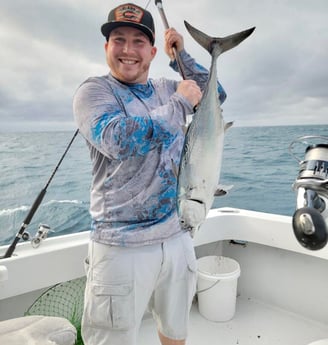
{"x": 217, "y": 287}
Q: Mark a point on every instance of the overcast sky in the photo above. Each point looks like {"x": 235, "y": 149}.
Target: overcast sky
{"x": 278, "y": 76}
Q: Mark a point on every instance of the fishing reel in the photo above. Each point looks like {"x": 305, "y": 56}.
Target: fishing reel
{"x": 41, "y": 235}
{"x": 310, "y": 220}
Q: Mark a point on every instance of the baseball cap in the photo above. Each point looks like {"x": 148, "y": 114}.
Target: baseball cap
{"x": 130, "y": 15}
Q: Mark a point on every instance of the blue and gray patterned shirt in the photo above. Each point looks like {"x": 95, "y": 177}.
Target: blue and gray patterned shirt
{"x": 135, "y": 136}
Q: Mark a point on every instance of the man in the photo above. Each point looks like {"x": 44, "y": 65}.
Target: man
{"x": 138, "y": 256}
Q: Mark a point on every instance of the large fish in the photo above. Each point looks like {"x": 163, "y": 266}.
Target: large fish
{"x": 201, "y": 158}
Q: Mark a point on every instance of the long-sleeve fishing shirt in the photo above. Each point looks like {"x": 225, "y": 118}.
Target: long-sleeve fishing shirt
{"x": 135, "y": 136}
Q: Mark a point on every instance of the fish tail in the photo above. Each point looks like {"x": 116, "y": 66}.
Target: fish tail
{"x": 217, "y": 45}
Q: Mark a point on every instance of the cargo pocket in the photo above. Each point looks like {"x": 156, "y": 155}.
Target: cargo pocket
{"x": 191, "y": 270}
{"x": 111, "y": 306}
{"x": 189, "y": 253}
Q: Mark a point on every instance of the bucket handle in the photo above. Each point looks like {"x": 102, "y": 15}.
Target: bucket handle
{"x": 208, "y": 288}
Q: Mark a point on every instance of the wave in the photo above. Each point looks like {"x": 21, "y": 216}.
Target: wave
{"x": 10, "y": 211}
{"x": 64, "y": 202}
{"x": 62, "y": 216}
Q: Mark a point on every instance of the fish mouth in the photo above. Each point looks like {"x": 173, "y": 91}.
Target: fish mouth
{"x": 197, "y": 200}
{"x": 193, "y": 211}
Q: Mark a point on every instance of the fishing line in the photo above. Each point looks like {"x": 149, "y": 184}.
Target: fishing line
{"x": 36, "y": 204}
{"x": 160, "y": 8}
{"x": 147, "y": 4}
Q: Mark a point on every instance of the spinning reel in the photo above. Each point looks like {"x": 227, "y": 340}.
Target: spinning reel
{"x": 311, "y": 216}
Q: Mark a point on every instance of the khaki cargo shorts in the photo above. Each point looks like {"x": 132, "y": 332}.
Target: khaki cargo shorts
{"x": 122, "y": 283}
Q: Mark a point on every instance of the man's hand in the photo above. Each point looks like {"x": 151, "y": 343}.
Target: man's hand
{"x": 191, "y": 91}
{"x": 173, "y": 39}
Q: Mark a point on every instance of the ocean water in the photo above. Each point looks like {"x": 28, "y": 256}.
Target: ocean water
{"x": 256, "y": 162}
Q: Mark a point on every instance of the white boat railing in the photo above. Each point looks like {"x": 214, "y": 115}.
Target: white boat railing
{"x": 61, "y": 258}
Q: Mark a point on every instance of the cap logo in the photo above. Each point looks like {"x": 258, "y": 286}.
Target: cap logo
{"x": 129, "y": 13}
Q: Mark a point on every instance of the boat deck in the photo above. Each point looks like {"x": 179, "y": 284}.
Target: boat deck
{"x": 254, "y": 323}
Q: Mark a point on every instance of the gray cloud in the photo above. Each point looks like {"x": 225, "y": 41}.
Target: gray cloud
{"x": 278, "y": 76}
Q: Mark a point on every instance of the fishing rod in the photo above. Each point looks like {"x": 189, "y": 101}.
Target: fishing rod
{"x": 159, "y": 5}
{"x": 36, "y": 204}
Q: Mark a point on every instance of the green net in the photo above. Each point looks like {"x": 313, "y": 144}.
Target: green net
{"x": 62, "y": 300}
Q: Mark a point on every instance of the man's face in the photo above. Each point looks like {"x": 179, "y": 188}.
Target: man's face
{"x": 129, "y": 54}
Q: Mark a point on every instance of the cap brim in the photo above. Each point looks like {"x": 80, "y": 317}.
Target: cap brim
{"x": 108, "y": 27}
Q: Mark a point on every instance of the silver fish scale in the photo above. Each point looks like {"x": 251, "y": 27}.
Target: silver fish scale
{"x": 201, "y": 158}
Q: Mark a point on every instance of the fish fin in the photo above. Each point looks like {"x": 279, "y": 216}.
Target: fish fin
{"x": 189, "y": 118}
{"x": 187, "y": 124}
{"x": 217, "y": 45}
{"x": 222, "y": 190}
{"x": 228, "y": 125}
{"x": 175, "y": 168}
{"x": 184, "y": 129}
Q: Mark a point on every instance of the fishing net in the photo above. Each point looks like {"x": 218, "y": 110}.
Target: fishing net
{"x": 63, "y": 300}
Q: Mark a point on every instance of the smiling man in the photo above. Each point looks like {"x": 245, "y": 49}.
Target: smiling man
{"x": 138, "y": 255}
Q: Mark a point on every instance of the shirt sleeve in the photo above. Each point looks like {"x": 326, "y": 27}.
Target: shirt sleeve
{"x": 117, "y": 135}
